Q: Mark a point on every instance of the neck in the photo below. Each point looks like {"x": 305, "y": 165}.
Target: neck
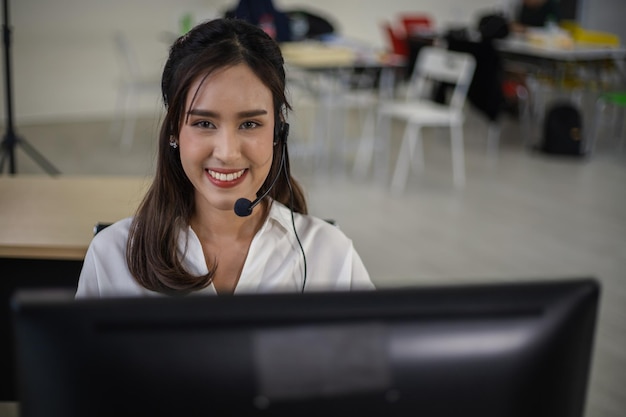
{"x": 219, "y": 225}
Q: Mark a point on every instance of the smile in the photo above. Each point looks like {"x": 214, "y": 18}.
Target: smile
{"x": 220, "y": 176}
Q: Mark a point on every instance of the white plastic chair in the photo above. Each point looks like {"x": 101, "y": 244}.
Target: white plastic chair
{"x": 433, "y": 65}
{"x": 332, "y": 95}
{"x": 133, "y": 84}
{"x": 358, "y": 93}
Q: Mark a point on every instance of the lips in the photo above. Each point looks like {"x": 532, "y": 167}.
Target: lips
{"x": 225, "y": 178}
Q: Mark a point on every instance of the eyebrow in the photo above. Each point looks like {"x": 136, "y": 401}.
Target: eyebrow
{"x": 243, "y": 114}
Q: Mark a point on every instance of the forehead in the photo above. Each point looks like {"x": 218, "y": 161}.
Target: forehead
{"x": 236, "y": 85}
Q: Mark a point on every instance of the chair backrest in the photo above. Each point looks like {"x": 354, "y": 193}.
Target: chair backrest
{"x": 415, "y": 23}
{"x": 438, "y": 65}
{"x": 396, "y": 41}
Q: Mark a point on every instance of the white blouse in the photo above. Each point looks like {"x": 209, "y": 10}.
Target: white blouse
{"x": 274, "y": 262}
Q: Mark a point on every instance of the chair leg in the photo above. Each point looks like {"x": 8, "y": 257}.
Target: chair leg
{"x": 458, "y": 157}
{"x": 403, "y": 161}
{"x": 319, "y": 136}
{"x": 595, "y": 129}
{"x": 416, "y": 147}
{"x": 338, "y": 138}
{"x": 365, "y": 147}
{"x": 524, "y": 114}
{"x": 118, "y": 116}
{"x": 382, "y": 148}
{"x": 130, "y": 116}
{"x": 620, "y": 132}
{"x": 493, "y": 137}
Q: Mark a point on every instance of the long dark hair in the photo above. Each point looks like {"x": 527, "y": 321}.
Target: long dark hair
{"x": 167, "y": 208}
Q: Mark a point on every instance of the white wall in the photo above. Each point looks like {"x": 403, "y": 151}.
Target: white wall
{"x": 604, "y": 15}
{"x": 65, "y": 65}
{"x": 64, "y": 62}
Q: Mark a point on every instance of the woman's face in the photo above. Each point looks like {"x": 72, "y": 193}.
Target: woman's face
{"x": 226, "y": 140}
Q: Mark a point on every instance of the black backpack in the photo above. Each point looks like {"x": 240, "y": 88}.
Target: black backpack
{"x": 562, "y": 131}
{"x": 493, "y": 26}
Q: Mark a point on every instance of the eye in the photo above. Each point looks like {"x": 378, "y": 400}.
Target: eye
{"x": 249, "y": 125}
{"x": 204, "y": 124}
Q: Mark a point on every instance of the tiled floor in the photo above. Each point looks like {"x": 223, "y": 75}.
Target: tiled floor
{"x": 522, "y": 215}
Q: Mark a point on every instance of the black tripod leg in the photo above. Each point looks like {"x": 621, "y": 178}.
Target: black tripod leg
{"x": 39, "y": 158}
{"x": 8, "y": 151}
{"x": 11, "y": 140}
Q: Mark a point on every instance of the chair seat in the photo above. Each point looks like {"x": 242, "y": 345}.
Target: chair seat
{"x": 422, "y": 112}
{"x": 434, "y": 65}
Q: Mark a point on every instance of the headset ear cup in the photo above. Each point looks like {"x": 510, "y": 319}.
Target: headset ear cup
{"x": 284, "y": 131}
{"x": 281, "y": 133}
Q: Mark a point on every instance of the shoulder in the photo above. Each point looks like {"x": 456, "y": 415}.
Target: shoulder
{"x": 114, "y": 234}
{"x": 109, "y": 242}
{"x": 104, "y": 271}
{"x": 330, "y": 254}
{"x": 308, "y": 227}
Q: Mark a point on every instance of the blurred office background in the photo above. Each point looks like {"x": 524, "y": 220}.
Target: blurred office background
{"x": 66, "y": 66}
{"x": 521, "y": 215}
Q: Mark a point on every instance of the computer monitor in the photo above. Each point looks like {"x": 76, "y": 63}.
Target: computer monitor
{"x": 489, "y": 350}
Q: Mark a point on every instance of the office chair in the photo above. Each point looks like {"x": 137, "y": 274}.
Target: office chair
{"x": 615, "y": 101}
{"x": 133, "y": 84}
{"x": 419, "y": 110}
{"x": 396, "y": 42}
{"x": 415, "y": 23}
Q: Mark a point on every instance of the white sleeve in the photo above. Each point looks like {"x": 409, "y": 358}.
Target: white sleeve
{"x": 88, "y": 280}
{"x": 105, "y": 271}
{"x": 333, "y": 260}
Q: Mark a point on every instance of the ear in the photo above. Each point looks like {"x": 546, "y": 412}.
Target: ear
{"x": 282, "y": 132}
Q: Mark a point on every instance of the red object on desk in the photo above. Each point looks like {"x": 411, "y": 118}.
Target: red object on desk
{"x": 414, "y": 24}
{"x": 398, "y": 42}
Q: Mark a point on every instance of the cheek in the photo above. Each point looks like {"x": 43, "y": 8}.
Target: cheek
{"x": 190, "y": 146}
{"x": 260, "y": 151}
{"x": 189, "y": 152}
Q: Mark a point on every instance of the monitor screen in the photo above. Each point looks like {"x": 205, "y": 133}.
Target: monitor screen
{"x": 489, "y": 350}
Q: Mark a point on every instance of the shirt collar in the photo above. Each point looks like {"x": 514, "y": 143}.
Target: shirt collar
{"x": 279, "y": 214}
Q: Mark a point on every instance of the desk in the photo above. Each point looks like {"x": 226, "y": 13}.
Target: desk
{"x": 576, "y": 71}
{"x": 53, "y": 217}
{"x": 46, "y": 225}
{"x": 579, "y": 52}
{"x": 555, "y": 61}
{"x": 339, "y": 76}
{"x": 312, "y": 55}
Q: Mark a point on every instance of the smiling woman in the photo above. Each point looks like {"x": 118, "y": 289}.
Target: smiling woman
{"x": 223, "y": 214}
{"x": 227, "y": 140}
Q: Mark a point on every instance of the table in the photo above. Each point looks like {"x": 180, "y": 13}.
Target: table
{"x": 46, "y": 225}
{"x": 53, "y": 217}
{"x": 555, "y": 62}
{"x": 579, "y": 52}
{"x": 576, "y": 71}
{"x": 339, "y": 76}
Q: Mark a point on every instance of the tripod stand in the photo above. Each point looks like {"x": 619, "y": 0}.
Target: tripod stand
{"x": 11, "y": 140}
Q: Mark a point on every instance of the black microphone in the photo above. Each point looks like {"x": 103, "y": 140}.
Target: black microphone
{"x": 243, "y": 206}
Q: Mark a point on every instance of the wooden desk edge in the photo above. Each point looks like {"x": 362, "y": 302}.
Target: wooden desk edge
{"x": 68, "y": 253}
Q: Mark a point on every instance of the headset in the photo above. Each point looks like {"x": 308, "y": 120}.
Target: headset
{"x": 243, "y": 207}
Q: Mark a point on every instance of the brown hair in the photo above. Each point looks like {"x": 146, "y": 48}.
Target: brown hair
{"x": 166, "y": 209}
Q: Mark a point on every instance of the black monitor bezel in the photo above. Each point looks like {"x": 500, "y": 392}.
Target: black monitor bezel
{"x": 549, "y": 379}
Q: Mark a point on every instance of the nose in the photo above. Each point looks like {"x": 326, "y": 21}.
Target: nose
{"x": 227, "y": 146}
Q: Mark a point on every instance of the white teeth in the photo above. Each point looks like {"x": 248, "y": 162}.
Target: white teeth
{"x": 226, "y": 177}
